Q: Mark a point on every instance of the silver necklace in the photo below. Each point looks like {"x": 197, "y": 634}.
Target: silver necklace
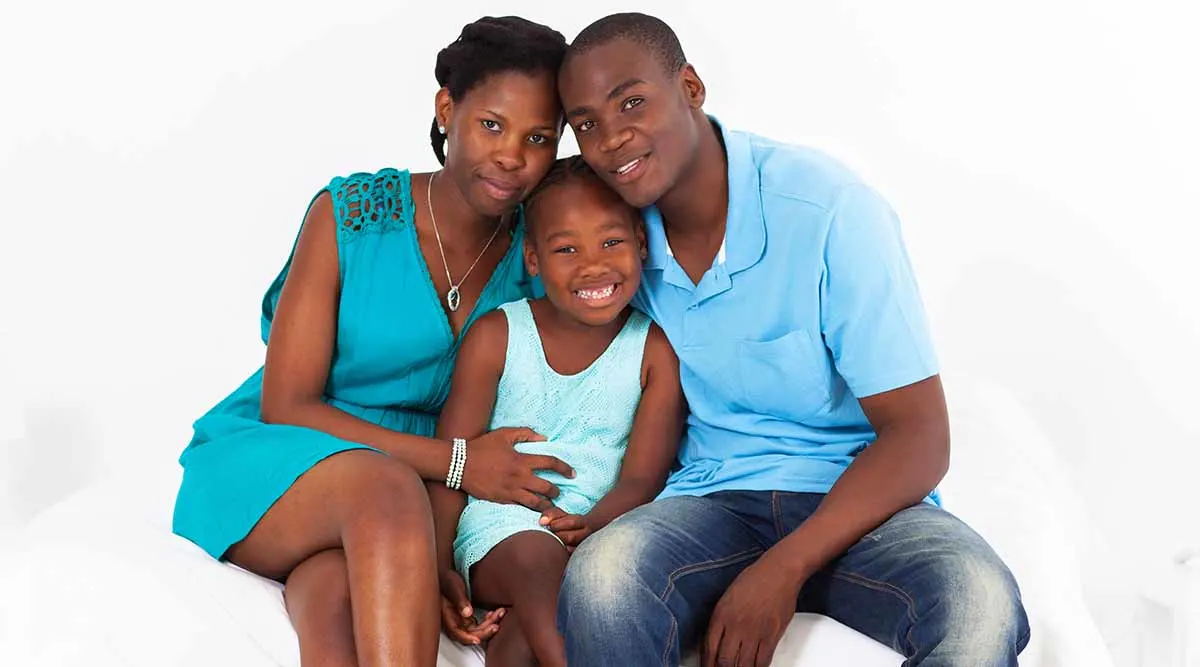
{"x": 452, "y": 295}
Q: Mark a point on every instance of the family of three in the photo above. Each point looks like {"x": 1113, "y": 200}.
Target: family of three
{"x": 599, "y": 410}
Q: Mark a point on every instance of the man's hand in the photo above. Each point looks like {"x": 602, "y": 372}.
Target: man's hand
{"x": 458, "y": 620}
{"x": 750, "y": 618}
{"x": 572, "y": 529}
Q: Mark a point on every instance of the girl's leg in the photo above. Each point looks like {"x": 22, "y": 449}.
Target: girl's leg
{"x": 524, "y": 572}
{"x": 376, "y": 510}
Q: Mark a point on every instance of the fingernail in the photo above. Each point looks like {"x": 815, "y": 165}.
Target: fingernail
{"x": 466, "y": 611}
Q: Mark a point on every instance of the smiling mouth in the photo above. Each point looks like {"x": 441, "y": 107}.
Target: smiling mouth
{"x": 630, "y": 170}
{"x": 599, "y": 295}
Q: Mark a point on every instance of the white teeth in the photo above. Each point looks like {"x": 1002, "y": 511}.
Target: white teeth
{"x": 602, "y": 293}
{"x": 625, "y": 169}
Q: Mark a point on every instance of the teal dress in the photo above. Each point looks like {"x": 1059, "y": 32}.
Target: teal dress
{"x": 391, "y": 364}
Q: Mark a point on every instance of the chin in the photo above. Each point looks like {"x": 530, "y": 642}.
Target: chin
{"x": 639, "y": 194}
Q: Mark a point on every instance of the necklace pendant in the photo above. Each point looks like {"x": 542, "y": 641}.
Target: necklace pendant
{"x": 452, "y": 298}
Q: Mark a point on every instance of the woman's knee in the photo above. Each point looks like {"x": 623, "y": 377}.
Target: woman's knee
{"x": 382, "y": 492}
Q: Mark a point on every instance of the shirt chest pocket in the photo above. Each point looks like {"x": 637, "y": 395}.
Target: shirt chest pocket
{"x": 787, "y": 377}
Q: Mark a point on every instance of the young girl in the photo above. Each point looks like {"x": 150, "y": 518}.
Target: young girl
{"x": 581, "y": 368}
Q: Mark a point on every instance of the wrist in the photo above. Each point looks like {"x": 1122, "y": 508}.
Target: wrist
{"x": 458, "y": 463}
{"x": 793, "y": 565}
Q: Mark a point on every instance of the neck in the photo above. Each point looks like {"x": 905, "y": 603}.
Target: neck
{"x": 459, "y": 224}
{"x": 699, "y": 201}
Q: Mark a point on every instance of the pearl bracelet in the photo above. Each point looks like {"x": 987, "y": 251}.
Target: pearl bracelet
{"x": 458, "y": 461}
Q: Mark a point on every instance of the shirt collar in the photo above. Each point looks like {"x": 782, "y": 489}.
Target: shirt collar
{"x": 745, "y": 228}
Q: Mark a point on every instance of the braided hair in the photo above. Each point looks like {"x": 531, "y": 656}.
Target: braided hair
{"x": 488, "y": 46}
{"x": 650, "y": 32}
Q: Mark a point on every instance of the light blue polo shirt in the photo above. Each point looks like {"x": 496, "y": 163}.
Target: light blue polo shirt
{"x": 811, "y": 303}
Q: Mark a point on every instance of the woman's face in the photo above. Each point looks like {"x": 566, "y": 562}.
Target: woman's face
{"x": 502, "y": 138}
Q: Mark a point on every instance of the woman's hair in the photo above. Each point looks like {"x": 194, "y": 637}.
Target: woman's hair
{"x": 488, "y": 46}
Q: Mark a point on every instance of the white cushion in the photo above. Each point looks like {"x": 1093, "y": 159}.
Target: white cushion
{"x": 100, "y": 580}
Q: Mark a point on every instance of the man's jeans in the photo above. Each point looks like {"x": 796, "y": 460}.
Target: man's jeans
{"x": 923, "y": 583}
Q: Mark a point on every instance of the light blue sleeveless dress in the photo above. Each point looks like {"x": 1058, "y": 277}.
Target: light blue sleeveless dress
{"x": 391, "y": 364}
{"x": 585, "y": 417}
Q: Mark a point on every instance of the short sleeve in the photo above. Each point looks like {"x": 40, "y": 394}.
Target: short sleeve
{"x": 872, "y": 316}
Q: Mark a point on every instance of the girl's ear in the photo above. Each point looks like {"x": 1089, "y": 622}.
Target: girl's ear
{"x": 531, "y": 262}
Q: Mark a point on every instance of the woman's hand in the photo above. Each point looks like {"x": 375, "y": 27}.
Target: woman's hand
{"x": 496, "y": 471}
{"x": 458, "y": 617}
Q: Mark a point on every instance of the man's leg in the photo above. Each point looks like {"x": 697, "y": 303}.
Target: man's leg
{"x": 924, "y": 584}
{"x": 637, "y": 589}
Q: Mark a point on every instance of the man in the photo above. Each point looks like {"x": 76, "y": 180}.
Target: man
{"x": 818, "y": 430}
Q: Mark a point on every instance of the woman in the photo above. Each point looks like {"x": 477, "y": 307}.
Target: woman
{"x": 311, "y": 473}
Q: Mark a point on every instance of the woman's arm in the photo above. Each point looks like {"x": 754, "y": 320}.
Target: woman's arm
{"x": 300, "y": 348}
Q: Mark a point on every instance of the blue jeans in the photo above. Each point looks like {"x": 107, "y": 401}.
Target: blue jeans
{"x": 923, "y": 583}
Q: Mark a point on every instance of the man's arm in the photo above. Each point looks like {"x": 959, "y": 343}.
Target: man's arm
{"x": 873, "y": 323}
{"x": 905, "y": 463}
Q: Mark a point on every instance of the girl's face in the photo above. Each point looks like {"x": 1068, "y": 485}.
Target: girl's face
{"x": 502, "y": 138}
{"x": 587, "y": 245}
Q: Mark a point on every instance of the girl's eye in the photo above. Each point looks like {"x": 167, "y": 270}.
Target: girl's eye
{"x": 566, "y": 250}
{"x": 585, "y": 126}
{"x": 538, "y": 139}
{"x": 490, "y": 125}
{"x": 613, "y": 242}
{"x": 631, "y": 103}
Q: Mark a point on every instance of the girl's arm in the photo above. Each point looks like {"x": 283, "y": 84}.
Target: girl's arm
{"x": 653, "y": 444}
{"x": 467, "y": 412}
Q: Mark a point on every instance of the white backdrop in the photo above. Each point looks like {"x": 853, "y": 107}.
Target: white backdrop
{"x": 155, "y": 159}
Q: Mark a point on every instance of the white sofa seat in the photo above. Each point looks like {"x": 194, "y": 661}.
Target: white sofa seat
{"x": 99, "y": 579}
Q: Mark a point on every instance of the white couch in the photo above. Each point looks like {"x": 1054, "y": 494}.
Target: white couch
{"x": 98, "y": 579}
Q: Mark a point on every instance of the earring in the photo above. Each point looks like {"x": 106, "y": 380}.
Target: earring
{"x": 441, "y": 129}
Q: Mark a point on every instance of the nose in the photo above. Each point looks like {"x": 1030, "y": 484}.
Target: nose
{"x": 615, "y": 138}
{"x": 509, "y": 155}
{"x": 594, "y": 264}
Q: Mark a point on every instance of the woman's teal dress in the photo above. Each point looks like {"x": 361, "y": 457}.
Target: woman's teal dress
{"x": 391, "y": 364}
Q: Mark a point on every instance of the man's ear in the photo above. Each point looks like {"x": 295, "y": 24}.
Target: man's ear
{"x": 693, "y": 87}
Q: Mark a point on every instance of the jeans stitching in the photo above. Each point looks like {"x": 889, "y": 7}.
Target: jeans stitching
{"x": 666, "y": 654}
{"x": 885, "y": 587}
{"x": 704, "y": 566}
{"x": 778, "y": 510}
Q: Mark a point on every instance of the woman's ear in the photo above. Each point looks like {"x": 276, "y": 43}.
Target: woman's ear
{"x": 443, "y": 108}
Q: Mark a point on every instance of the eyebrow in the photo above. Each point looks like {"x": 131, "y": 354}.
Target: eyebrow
{"x": 617, "y": 91}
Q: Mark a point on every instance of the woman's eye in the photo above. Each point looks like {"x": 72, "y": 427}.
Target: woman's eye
{"x": 538, "y": 139}
{"x": 631, "y": 103}
{"x": 491, "y": 125}
{"x": 585, "y": 126}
